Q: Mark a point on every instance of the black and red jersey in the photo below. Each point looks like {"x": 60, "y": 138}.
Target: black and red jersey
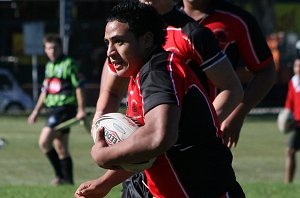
{"x": 194, "y": 43}
{"x": 198, "y": 165}
{"x": 238, "y": 34}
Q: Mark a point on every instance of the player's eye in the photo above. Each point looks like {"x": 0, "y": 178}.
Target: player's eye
{"x": 119, "y": 41}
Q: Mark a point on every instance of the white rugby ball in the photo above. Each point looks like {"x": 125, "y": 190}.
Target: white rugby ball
{"x": 285, "y": 120}
{"x": 118, "y": 127}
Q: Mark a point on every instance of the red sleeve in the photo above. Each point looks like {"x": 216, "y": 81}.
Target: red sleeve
{"x": 289, "y": 102}
{"x": 248, "y": 42}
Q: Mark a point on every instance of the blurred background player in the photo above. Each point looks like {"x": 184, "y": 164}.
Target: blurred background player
{"x": 167, "y": 98}
{"x": 241, "y": 39}
{"x": 63, "y": 97}
{"x": 293, "y": 104}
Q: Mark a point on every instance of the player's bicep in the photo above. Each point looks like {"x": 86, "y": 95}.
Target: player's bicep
{"x": 162, "y": 124}
{"x": 222, "y": 75}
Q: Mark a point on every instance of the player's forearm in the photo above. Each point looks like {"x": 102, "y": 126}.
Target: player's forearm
{"x": 258, "y": 87}
{"x": 226, "y": 101}
{"x": 159, "y": 133}
{"x": 114, "y": 177}
{"x": 225, "y": 79}
{"x": 80, "y": 99}
{"x": 112, "y": 90}
{"x": 107, "y": 103}
{"x": 39, "y": 103}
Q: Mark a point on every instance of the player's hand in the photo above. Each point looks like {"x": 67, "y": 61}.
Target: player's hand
{"x": 80, "y": 114}
{"x": 98, "y": 135}
{"x": 92, "y": 189}
{"x": 32, "y": 117}
{"x": 96, "y": 117}
{"x": 231, "y": 127}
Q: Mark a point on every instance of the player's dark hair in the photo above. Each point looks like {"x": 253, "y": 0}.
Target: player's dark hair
{"x": 53, "y": 38}
{"x": 141, "y": 18}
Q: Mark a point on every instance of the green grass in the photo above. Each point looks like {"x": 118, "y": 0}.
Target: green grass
{"x": 25, "y": 172}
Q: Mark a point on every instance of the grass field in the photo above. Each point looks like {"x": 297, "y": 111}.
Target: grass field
{"x": 26, "y": 173}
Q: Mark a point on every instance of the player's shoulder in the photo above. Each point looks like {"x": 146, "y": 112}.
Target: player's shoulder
{"x": 157, "y": 60}
{"x": 70, "y": 62}
{"x": 197, "y": 31}
{"x": 160, "y": 61}
{"x": 232, "y": 10}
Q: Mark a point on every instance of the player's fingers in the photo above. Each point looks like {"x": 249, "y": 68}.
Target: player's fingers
{"x": 234, "y": 141}
{"x": 226, "y": 137}
{"x": 76, "y": 195}
{"x": 229, "y": 143}
{"x": 97, "y": 134}
{"x": 87, "y": 192}
{"x": 225, "y": 140}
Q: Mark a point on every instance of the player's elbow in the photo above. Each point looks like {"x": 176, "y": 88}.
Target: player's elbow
{"x": 164, "y": 142}
{"x": 237, "y": 92}
{"x": 99, "y": 158}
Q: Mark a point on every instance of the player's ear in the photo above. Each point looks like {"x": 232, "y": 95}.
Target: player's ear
{"x": 147, "y": 40}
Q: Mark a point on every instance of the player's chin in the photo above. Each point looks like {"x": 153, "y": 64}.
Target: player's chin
{"x": 123, "y": 74}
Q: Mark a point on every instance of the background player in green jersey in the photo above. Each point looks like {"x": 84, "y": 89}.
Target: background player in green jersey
{"x": 62, "y": 94}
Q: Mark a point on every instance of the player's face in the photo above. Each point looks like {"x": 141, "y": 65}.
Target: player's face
{"x": 297, "y": 67}
{"x": 53, "y": 51}
{"x": 125, "y": 51}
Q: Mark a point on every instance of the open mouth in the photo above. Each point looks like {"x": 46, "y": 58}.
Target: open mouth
{"x": 117, "y": 65}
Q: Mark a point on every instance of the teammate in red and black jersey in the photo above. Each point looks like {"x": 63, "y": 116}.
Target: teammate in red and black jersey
{"x": 197, "y": 46}
{"x": 168, "y": 99}
{"x": 241, "y": 38}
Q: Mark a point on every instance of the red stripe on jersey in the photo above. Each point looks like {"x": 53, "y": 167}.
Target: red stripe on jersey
{"x": 162, "y": 174}
{"x": 187, "y": 73}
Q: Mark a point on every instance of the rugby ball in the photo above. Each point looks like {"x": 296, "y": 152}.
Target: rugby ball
{"x": 118, "y": 127}
{"x": 285, "y": 121}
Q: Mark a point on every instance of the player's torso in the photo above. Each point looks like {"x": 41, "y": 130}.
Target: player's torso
{"x": 224, "y": 27}
{"x": 135, "y": 101}
{"x": 198, "y": 128}
{"x": 60, "y": 90}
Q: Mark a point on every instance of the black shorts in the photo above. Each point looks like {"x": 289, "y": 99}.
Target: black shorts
{"x": 135, "y": 187}
{"x": 57, "y": 115}
{"x": 294, "y": 141}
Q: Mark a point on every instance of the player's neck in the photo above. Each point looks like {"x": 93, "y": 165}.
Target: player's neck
{"x": 197, "y": 12}
{"x": 165, "y": 7}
